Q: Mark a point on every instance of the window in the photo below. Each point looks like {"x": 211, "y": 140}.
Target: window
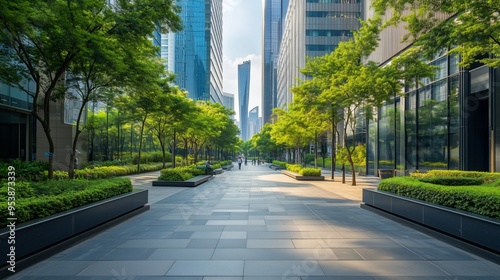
{"x": 326, "y": 14}
{"x": 321, "y": 48}
{"x": 328, "y": 33}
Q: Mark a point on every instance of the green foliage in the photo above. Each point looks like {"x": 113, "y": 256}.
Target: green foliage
{"x": 304, "y": 171}
{"x": 102, "y": 172}
{"x": 24, "y": 170}
{"x": 151, "y": 157}
{"x": 309, "y": 171}
{"x": 473, "y": 27}
{"x": 294, "y": 167}
{"x": 483, "y": 200}
{"x": 452, "y": 181}
{"x": 279, "y": 163}
{"x": 175, "y": 175}
{"x": 309, "y": 158}
{"x": 487, "y": 177}
{"x": 50, "y": 197}
{"x": 184, "y": 172}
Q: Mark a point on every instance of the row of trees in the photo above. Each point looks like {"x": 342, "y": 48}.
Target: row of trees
{"x": 89, "y": 50}
{"x": 167, "y": 121}
{"x": 344, "y": 84}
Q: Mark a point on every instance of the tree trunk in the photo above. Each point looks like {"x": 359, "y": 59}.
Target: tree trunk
{"x": 173, "y": 149}
{"x": 140, "y": 144}
{"x": 315, "y": 149}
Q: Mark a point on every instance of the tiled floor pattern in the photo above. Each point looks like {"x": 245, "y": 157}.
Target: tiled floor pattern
{"x": 256, "y": 223}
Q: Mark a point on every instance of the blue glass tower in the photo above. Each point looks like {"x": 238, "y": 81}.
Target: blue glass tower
{"x": 244, "y": 95}
{"x": 198, "y": 50}
{"x": 274, "y": 21}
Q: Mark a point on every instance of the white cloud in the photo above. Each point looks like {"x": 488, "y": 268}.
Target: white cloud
{"x": 231, "y": 80}
{"x": 242, "y": 25}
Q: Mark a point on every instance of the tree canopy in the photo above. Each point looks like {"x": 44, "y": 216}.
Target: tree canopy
{"x": 470, "y": 28}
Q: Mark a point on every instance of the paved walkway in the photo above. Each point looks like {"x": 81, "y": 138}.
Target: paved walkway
{"x": 256, "y": 223}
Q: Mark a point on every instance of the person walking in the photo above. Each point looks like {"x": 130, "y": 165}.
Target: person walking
{"x": 239, "y": 163}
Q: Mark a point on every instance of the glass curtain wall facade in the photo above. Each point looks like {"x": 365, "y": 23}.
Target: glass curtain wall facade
{"x": 198, "y": 50}
{"x": 253, "y": 122}
{"x": 274, "y": 18}
{"x": 17, "y": 126}
{"x": 244, "y": 96}
{"x": 312, "y": 28}
{"x": 445, "y": 123}
{"x": 451, "y": 121}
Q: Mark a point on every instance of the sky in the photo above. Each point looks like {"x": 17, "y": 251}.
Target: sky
{"x": 242, "y": 40}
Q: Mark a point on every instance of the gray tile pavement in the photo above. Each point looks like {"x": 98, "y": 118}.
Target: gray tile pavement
{"x": 256, "y": 223}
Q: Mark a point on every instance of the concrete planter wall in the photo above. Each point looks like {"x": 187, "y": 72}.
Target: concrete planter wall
{"x": 297, "y": 176}
{"x": 38, "y": 235}
{"x": 193, "y": 182}
{"x": 465, "y": 226}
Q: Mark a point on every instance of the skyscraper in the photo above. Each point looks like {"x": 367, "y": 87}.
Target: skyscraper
{"x": 244, "y": 96}
{"x": 312, "y": 28}
{"x": 198, "y": 50}
{"x": 228, "y": 101}
{"x": 253, "y": 122}
{"x": 274, "y": 18}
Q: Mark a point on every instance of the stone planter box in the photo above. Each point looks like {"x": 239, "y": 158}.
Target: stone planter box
{"x": 474, "y": 229}
{"x": 193, "y": 182}
{"x": 297, "y": 176}
{"x": 227, "y": 167}
{"x": 34, "y": 240}
{"x": 276, "y": 167}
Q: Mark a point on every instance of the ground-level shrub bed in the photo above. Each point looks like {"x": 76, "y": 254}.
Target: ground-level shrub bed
{"x": 101, "y": 172}
{"x": 483, "y": 200}
{"x": 51, "y": 197}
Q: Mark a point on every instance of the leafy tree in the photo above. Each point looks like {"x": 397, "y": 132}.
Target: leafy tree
{"x": 350, "y": 84}
{"x": 39, "y": 40}
{"x": 263, "y": 142}
{"x": 470, "y": 28}
{"x": 174, "y": 111}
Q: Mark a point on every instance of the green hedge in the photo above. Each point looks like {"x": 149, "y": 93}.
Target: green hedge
{"x": 304, "y": 171}
{"x": 102, "y": 172}
{"x": 181, "y": 173}
{"x": 453, "y": 181}
{"x": 486, "y": 176}
{"x": 309, "y": 171}
{"x": 279, "y": 163}
{"x": 51, "y": 197}
{"x": 483, "y": 200}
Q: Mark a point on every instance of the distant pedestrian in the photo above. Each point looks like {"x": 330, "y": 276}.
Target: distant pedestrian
{"x": 245, "y": 161}
{"x": 239, "y": 163}
{"x": 208, "y": 168}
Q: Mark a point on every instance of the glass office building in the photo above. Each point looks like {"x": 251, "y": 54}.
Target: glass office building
{"x": 274, "y": 19}
{"x": 244, "y": 96}
{"x": 17, "y": 126}
{"x": 312, "y": 28}
{"x": 198, "y": 50}
{"x": 451, "y": 121}
{"x": 253, "y": 122}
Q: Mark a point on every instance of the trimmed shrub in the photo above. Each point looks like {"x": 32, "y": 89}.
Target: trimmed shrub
{"x": 174, "y": 175}
{"x": 452, "y": 181}
{"x": 25, "y": 170}
{"x": 293, "y": 167}
{"x": 309, "y": 171}
{"x": 279, "y": 163}
{"x": 51, "y": 197}
{"x": 486, "y": 176}
{"x": 483, "y": 200}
